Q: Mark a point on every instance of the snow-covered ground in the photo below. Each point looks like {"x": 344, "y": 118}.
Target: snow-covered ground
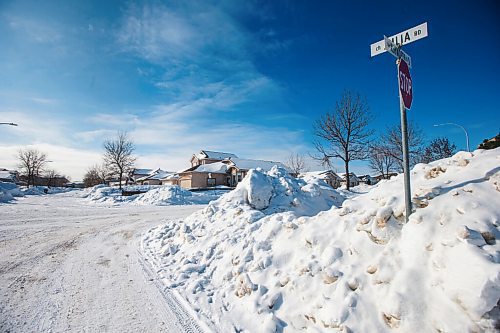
{"x": 70, "y": 266}
{"x": 276, "y": 254}
{"x": 264, "y": 258}
{"x": 153, "y": 195}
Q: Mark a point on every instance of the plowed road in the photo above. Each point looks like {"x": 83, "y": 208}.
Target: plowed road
{"x": 70, "y": 266}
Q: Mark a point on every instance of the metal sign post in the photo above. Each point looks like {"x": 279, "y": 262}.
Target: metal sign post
{"x": 404, "y": 137}
{"x": 393, "y": 45}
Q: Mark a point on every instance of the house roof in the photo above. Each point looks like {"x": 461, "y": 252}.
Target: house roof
{"x": 352, "y": 176}
{"x": 217, "y": 167}
{"x": 214, "y": 155}
{"x": 157, "y": 174}
{"x": 322, "y": 174}
{"x": 143, "y": 171}
{"x": 247, "y": 164}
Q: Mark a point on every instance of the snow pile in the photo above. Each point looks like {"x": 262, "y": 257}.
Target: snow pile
{"x": 261, "y": 194}
{"x": 153, "y": 195}
{"x": 358, "y": 268}
{"x": 8, "y": 191}
{"x": 103, "y": 193}
{"x": 38, "y": 190}
{"x": 165, "y": 195}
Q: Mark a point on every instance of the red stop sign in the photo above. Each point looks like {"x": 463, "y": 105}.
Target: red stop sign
{"x": 405, "y": 84}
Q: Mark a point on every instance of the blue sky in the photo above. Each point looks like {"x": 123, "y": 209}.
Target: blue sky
{"x": 244, "y": 77}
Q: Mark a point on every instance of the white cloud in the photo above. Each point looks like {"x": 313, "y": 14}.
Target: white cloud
{"x": 35, "y": 126}
{"x": 65, "y": 160}
{"x": 37, "y": 30}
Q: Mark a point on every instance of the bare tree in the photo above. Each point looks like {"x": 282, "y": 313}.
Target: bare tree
{"x": 95, "y": 175}
{"x": 297, "y": 164}
{"x": 438, "y": 148}
{"x": 102, "y": 172}
{"x": 51, "y": 176}
{"x": 392, "y": 144}
{"x": 380, "y": 161}
{"x": 31, "y": 163}
{"x": 118, "y": 155}
{"x": 344, "y": 133}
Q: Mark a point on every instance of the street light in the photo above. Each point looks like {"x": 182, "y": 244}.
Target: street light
{"x": 466, "y": 135}
{"x": 11, "y": 124}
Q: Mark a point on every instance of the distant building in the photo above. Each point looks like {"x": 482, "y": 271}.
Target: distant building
{"x": 139, "y": 173}
{"x": 204, "y": 175}
{"x": 368, "y": 180}
{"x": 328, "y": 176}
{"x": 492, "y": 143}
{"x": 239, "y": 167}
{"x": 154, "y": 178}
{"x": 208, "y": 157}
{"x": 380, "y": 177}
{"x": 353, "y": 179}
{"x": 56, "y": 181}
{"x": 9, "y": 176}
{"x": 209, "y": 169}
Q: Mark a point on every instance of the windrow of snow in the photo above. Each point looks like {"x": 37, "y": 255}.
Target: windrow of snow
{"x": 250, "y": 262}
{"x": 8, "y": 191}
{"x": 153, "y": 195}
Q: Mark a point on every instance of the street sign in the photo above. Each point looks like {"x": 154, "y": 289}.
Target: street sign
{"x": 393, "y": 45}
{"x": 396, "y": 51}
{"x": 405, "y": 83}
{"x": 403, "y": 38}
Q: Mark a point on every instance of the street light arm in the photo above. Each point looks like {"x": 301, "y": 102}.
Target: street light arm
{"x": 463, "y": 128}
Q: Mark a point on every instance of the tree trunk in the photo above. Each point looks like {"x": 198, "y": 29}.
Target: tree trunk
{"x": 120, "y": 179}
{"x": 347, "y": 178}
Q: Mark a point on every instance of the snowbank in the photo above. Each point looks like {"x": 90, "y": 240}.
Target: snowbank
{"x": 154, "y": 195}
{"x": 253, "y": 257}
{"x": 8, "y": 191}
{"x": 39, "y": 190}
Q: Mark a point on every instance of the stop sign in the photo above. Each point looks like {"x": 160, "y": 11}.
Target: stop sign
{"x": 405, "y": 84}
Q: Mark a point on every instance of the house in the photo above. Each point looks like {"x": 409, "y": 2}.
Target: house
{"x": 56, "y": 181}
{"x": 139, "y": 173}
{"x": 75, "y": 185}
{"x": 381, "y": 176}
{"x": 328, "y": 176}
{"x": 353, "y": 179}
{"x": 208, "y": 157}
{"x": 368, "y": 180}
{"x": 154, "y": 178}
{"x": 204, "y": 175}
{"x": 239, "y": 167}
{"x": 170, "y": 179}
{"x": 9, "y": 176}
{"x": 209, "y": 169}
{"x": 492, "y": 143}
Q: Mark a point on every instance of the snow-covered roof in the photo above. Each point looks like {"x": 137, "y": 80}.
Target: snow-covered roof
{"x": 322, "y": 174}
{"x": 155, "y": 174}
{"x": 161, "y": 175}
{"x": 247, "y": 164}
{"x": 352, "y": 176}
{"x": 143, "y": 171}
{"x": 217, "y": 167}
{"x": 214, "y": 155}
